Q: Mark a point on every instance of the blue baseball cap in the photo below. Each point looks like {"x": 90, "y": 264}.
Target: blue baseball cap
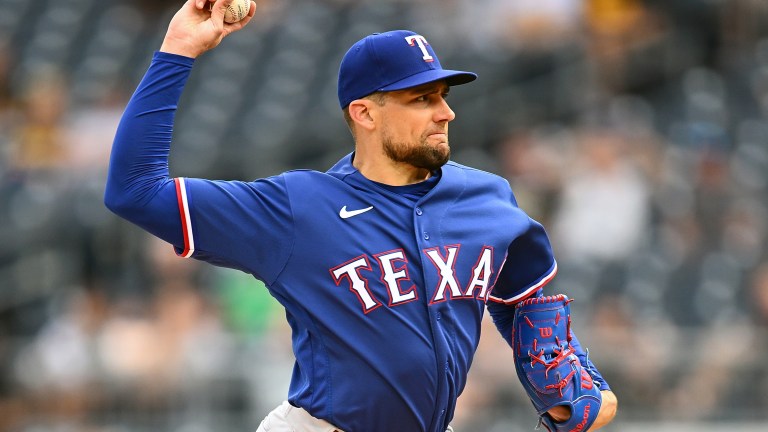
{"x": 389, "y": 61}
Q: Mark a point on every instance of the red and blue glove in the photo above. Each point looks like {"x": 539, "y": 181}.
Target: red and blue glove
{"x": 548, "y": 366}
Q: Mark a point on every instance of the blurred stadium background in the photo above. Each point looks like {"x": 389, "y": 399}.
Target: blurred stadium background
{"x": 636, "y": 131}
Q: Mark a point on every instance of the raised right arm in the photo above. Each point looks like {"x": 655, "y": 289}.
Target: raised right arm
{"x": 139, "y": 188}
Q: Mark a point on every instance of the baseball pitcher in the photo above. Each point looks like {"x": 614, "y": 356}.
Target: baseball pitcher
{"x": 385, "y": 263}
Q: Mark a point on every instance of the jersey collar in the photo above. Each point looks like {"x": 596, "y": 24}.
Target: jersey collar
{"x": 452, "y": 179}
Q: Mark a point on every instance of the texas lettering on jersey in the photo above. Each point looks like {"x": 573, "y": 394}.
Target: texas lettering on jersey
{"x": 392, "y": 270}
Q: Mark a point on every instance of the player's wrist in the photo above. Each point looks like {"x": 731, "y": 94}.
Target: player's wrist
{"x": 180, "y": 47}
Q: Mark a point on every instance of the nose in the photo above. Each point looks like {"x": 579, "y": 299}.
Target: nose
{"x": 444, "y": 113}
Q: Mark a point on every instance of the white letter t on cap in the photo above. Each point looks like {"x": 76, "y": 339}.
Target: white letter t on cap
{"x": 419, "y": 39}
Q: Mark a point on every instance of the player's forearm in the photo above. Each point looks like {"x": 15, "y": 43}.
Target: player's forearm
{"x": 504, "y": 316}
{"x": 138, "y": 178}
{"x": 608, "y": 409}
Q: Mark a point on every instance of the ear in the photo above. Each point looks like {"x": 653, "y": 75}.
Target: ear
{"x": 361, "y": 111}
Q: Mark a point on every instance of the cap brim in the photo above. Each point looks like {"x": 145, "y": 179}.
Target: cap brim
{"x": 451, "y": 77}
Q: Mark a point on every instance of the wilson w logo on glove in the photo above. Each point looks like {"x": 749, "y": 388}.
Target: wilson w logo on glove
{"x": 548, "y": 367}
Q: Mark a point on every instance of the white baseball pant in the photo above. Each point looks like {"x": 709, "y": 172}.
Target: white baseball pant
{"x": 288, "y": 418}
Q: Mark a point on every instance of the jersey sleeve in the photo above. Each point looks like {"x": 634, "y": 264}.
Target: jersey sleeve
{"x": 242, "y": 225}
{"x": 530, "y": 264}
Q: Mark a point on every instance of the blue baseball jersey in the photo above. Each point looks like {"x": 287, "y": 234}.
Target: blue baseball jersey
{"x": 384, "y": 293}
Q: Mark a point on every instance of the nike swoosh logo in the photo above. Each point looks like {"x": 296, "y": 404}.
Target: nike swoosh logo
{"x": 344, "y": 213}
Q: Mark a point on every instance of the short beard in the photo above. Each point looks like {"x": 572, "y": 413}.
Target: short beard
{"x": 421, "y": 155}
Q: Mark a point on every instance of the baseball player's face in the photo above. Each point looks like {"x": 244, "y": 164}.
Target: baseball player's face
{"x": 415, "y": 126}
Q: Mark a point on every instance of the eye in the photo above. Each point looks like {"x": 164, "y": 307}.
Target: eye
{"x": 422, "y": 98}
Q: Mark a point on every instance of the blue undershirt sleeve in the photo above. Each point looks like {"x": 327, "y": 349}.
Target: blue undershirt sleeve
{"x": 139, "y": 187}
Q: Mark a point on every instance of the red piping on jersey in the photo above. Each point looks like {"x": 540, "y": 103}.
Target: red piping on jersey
{"x": 183, "y": 214}
{"x": 528, "y": 292}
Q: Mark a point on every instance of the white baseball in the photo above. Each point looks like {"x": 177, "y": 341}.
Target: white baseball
{"x": 237, "y": 10}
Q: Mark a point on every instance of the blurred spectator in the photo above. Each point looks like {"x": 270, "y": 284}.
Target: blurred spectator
{"x": 604, "y": 207}
{"x": 154, "y": 355}
{"x": 711, "y": 377}
{"x": 88, "y": 128}
{"x": 757, "y": 295}
{"x": 528, "y": 25}
{"x": 744, "y": 231}
{"x": 625, "y": 39}
{"x": 38, "y": 142}
{"x": 534, "y": 161}
{"x": 7, "y": 103}
{"x": 6, "y": 94}
{"x": 59, "y": 370}
{"x": 637, "y": 352}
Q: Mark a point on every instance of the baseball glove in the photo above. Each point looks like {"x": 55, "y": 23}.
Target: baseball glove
{"x": 547, "y": 364}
